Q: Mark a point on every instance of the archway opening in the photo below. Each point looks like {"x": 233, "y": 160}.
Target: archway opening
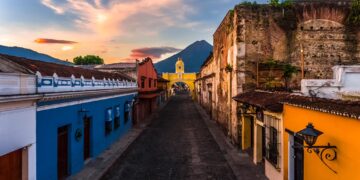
{"x": 180, "y": 88}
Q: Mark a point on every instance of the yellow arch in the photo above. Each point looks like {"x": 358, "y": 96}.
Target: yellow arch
{"x": 187, "y": 78}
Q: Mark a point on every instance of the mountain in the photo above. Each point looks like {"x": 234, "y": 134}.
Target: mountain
{"x": 30, "y": 54}
{"x": 193, "y": 57}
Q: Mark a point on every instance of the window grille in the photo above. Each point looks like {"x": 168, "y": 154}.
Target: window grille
{"x": 127, "y": 112}
{"x": 117, "y": 117}
{"x": 108, "y": 121}
{"x": 273, "y": 136}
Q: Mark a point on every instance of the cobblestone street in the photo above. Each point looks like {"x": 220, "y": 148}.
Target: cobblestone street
{"x": 178, "y": 145}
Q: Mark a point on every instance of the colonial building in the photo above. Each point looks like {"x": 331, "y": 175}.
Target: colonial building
{"x": 205, "y": 85}
{"x": 162, "y": 85}
{"x": 17, "y": 125}
{"x": 270, "y": 131}
{"x": 181, "y": 76}
{"x": 259, "y": 46}
{"x": 79, "y": 114}
{"x": 334, "y": 154}
{"x": 148, "y": 90}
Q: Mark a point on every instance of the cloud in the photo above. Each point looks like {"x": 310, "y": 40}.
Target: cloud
{"x": 50, "y": 4}
{"x": 109, "y": 19}
{"x": 152, "y": 52}
{"x": 53, "y": 41}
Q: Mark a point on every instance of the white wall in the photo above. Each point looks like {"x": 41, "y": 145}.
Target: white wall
{"x": 14, "y": 84}
{"x": 344, "y": 85}
{"x": 17, "y": 129}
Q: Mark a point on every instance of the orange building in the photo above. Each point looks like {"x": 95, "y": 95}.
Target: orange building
{"x": 148, "y": 89}
{"x": 339, "y": 122}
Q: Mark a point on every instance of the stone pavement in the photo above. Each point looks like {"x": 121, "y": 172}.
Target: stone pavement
{"x": 239, "y": 162}
{"x": 181, "y": 143}
{"x": 96, "y": 168}
{"x": 177, "y": 145}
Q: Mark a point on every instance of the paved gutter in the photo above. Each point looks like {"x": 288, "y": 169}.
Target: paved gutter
{"x": 240, "y": 162}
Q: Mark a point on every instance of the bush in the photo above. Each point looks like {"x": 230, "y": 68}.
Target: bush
{"x": 88, "y": 60}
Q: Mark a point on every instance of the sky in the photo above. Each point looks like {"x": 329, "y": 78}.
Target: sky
{"x": 116, "y": 30}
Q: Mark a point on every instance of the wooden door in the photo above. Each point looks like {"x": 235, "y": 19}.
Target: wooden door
{"x": 87, "y": 121}
{"x": 298, "y": 158}
{"x": 11, "y": 166}
{"x": 63, "y": 138}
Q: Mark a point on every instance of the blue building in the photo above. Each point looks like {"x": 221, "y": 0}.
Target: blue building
{"x": 80, "y": 114}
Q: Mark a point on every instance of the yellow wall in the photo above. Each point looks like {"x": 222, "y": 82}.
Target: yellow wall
{"x": 339, "y": 131}
{"x": 188, "y": 78}
{"x": 246, "y": 132}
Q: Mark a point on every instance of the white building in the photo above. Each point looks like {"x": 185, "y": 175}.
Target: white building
{"x": 344, "y": 85}
{"x": 17, "y": 126}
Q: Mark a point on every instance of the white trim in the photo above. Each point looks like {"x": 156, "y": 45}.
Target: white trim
{"x": 53, "y": 106}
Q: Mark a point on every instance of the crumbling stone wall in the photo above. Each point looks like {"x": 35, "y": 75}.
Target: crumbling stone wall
{"x": 249, "y": 35}
{"x": 223, "y": 43}
{"x": 316, "y": 32}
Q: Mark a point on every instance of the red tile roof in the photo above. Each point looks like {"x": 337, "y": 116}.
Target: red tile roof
{"x": 263, "y": 99}
{"x": 48, "y": 69}
{"x": 274, "y": 101}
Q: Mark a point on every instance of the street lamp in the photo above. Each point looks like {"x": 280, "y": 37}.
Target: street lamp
{"x": 310, "y": 135}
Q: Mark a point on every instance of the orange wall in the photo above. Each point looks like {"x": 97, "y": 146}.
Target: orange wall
{"x": 339, "y": 131}
{"x": 147, "y": 70}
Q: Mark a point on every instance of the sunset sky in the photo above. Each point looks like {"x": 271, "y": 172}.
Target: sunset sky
{"x": 117, "y": 30}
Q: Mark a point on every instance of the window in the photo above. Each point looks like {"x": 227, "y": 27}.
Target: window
{"x": 117, "y": 117}
{"x": 272, "y": 133}
{"x": 142, "y": 83}
{"x": 150, "y": 83}
{"x": 154, "y": 82}
{"x": 273, "y": 150}
{"x": 127, "y": 112}
{"x": 108, "y": 121}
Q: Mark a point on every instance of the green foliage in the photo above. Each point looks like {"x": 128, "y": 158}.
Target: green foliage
{"x": 274, "y": 3}
{"x": 88, "y": 60}
{"x": 354, "y": 16}
{"x": 228, "y": 68}
{"x": 248, "y": 3}
{"x": 287, "y": 4}
{"x": 289, "y": 70}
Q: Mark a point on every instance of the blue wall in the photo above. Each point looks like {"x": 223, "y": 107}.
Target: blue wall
{"x": 48, "y": 122}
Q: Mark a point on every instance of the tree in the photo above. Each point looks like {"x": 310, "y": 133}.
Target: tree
{"x": 354, "y": 16}
{"x": 289, "y": 70}
{"x": 88, "y": 60}
{"x": 274, "y": 3}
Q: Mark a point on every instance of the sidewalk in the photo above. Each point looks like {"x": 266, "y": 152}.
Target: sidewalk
{"x": 240, "y": 162}
{"x": 97, "y": 167}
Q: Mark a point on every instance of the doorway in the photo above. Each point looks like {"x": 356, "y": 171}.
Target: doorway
{"x": 87, "y": 126}
{"x": 210, "y": 104}
{"x": 298, "y": 158}
{"x": 63, "y": 148}
{"x": 11, "y": 165}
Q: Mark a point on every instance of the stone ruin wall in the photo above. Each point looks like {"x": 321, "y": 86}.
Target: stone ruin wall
{"x": 223, "y": 42}
{"x": 277, "y": 34}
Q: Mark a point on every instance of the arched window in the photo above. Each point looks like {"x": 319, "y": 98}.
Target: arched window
{"x": 117, "y": 117}
{"x": 127, "y": 111}
{"x": 108, "y": 121}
